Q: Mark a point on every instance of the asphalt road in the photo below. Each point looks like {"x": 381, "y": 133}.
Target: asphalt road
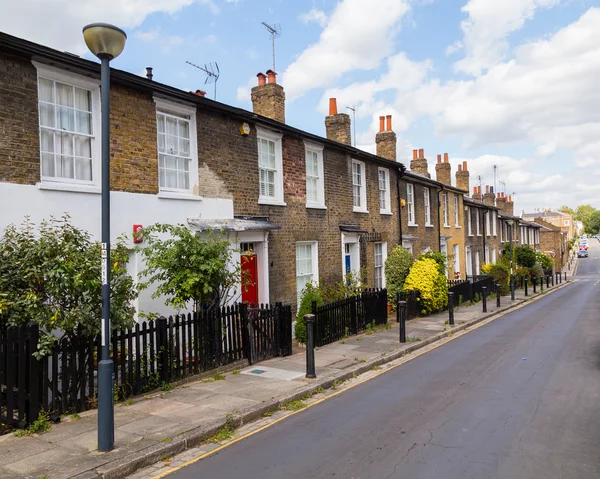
{"x": 516, "y": 399}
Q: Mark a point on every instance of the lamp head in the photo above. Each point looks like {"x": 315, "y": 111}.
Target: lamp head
{"x": 104, "y": 40}
{"x": 510, "y": 222}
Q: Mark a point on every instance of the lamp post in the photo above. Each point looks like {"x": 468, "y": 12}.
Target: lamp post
{"x": 512, "y": 278}
{"x": 105, "y": 42}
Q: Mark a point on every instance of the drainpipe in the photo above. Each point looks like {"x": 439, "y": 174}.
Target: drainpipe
{"x": 401, "y": 171}
{"x": 484, "y": 224}
{"x": 439, "y": 189}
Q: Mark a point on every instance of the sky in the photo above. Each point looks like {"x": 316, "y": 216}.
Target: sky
{"x": 510, "y": 83}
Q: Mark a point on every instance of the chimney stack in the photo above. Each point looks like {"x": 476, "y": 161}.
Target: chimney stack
{"x": 509, "y": 206}
{"x": 477, "y": 193}
{"x": 149, "y": 75}
{"x": 443, "y": 170}
{"x": 337, "y": 125}
{"x": 268, "y": 99}
{"x": 419, "y": 163}
{"x": 385, "y": 139}
{"x": 501, "y": 202}
{"x": 489, "y": 197}
{"x": 462, "y": 177}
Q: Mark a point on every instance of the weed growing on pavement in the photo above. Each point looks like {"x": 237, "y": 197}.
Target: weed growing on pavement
{"x": 167, "y": 439}
{"x": 413, "y": 340}
{"x": 295, "y": 405}
{"x": 75, "y": 416}
{"x": 319, "y": 390}
{"x": 376, "y": 368}
{"x": 236, "y": 371}
{"x": 268, "y": 414}
{"x": 225, "y": 433}
{"x": 41, "y": 424}
{"x": 43, "y": 477}
{"x": 166, "y": 387}
{"x": 336, "y": 383}
{"x": 128, "y": 402}
{"x": 218, "y": 376}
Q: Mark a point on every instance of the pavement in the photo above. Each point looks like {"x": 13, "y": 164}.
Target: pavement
{"x": 182, "y": 423}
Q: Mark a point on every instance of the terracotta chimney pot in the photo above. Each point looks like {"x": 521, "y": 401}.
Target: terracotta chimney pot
{"x": 464, "y": 165}
{"x": 271, "y": 76}
{"x": 421, "y": 153}
{"x": 381, "y": 123}
{"x": 388, "y": 119}
{"x": 439, "y": 158}
{"x": 262, "y": 79}
{"x": 415, "y": 154}
{"x": 445, "y": 157}
{"x": 459, "y": 167}
{"x": 332, "y": 106}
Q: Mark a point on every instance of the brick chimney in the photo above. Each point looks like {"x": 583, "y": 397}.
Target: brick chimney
{"x": 489, "y": 196}
{"x": 268, "y": 98}
{"x": 509, "y": 206}
{"x": 477, "y": 193}
{"x": 462, "y": 177}
{"x": 443, "y": 170}
{"x": 501, "y": 202}
{"x": 385, "y": 139}
{"x": 337, "y": 125}
{"x": 419, "y": 163}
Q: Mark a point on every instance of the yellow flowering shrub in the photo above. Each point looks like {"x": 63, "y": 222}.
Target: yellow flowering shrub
{"x": 486, "y": 268}
{"x": 425, "y": 277}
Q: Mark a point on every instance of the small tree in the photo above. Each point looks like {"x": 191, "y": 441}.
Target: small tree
{"x": 51, "y": 276}
{"x": 187, "y": 267}
{"x": 310, "y": 293}
{"x": 397, "y": 267}
{"x": 425, "y": 276}
{"x": 544, "y": 260}
{"x": 525, "y": 256}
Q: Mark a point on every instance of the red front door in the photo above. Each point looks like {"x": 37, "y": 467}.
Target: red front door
{"x": 249, "y": 279}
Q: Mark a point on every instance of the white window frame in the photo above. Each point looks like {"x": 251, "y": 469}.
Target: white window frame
{"x": 386, "y": 193}
{"x": 477, "y": 270}
{"x": 410, "y": 204}
{"x": 72, "y": 79}
{"x": 478, "y": 221}
{"x": 456, "y": 252}
{"x": 456, "y": 213}
{"x": 318, "y": 150}
{"x": 567, "y": 222}
{"x": 354, "y": 240}
{"x": 268, "y": 135}
{"x": 445, "y": 208}
{"x": 381, "y": 267}
{"x": 469, "y": 222}
{"x": 427, "y": 199}
{"x": 314, "y": 251}
{"x": 494, "y": 223}
{"x": 178, "y": 109}
{"x": 494, "y": 255}
{"x": 469, "y": 260}
{"x": 362, "y": 192}
{"x": 486, "y": 254}
{"x": 488, "y": 231}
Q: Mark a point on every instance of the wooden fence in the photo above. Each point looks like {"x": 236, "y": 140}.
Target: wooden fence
{"x": 145, "y": 357}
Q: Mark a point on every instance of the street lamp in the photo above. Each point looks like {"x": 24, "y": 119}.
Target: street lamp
{"x": 512, "y": 277}
{"x": 105, "y": 42}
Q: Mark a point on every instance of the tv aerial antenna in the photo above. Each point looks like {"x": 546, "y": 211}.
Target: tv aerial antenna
{"x": 503, "y": 183}
{"x": 353, "y": 110}
{"x": 275, "y": 31}
{"x": 212, "y": 73}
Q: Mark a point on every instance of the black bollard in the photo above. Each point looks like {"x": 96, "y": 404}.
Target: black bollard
{"x": 484, "y": 294}
{"x": 534, "y": 282}
{"x": 525, "y": 286}
{"x": 497, "y": 295}
{"x": 565, "y": 276}
{"x": 553, "y": 280}
{"x": 547, "y": 281}
{"x": 451, "y": 308}
{"x": 402, "y": 308}
{"x": 512, "y": 287}
{"x": 541, "y": 284}
{"x": 560, "y": 277}
{"x": 309, "y": 320}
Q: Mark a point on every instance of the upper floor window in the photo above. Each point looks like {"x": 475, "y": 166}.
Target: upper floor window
{"x": 177, "y": 147}
{"x": 315, "y": 189}
{"x": 427, "y": 198}
{"x": 410, "y": 202}
{"x": 477, "y": 222}
{"x": 494, "y": 223}
{"x": 68, "y": 119}
{"x": 456, "y": 216}
{"x": 270, "y": 167}
{"x": 469, "y": 222}
{"x": 487, "y": 222}
{"x": 384, "y": 191}
{"x": 445, "y": 207}
{"x": 359, "y": 188}
{"x": 567, "y": 222}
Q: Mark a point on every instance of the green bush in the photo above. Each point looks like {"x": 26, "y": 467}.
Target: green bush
{"x": 525, "y": 256}
{"x": 501, "y": 274}
{"x": 310, "y": 293}
{"x": 397, "y": 267}
{"x": 544, "y": 260}
{"x": 354, "y": 284}
{"x": 440, "y": 258}
{"x": 425, "y": 277}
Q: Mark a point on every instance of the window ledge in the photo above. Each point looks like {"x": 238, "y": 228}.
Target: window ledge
{"x": 271, "y": 201}
{"x": 71, "y": 187}
{"x": 412, "y": 225}
{"x": 359, "y": 210}
{"x": 429, "y": 226}
{"x": 173, "y": 195}
{"x": 385, "y": 212}
{"x": 315, "y": 207}
{"x": 446, "y": 226}
{"x": 457, "y": 226}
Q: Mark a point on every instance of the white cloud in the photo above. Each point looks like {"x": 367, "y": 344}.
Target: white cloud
{"x": 314, "y": 15}
{"x": 358, "y": 35}
{"x": 149, "y": 36}
{"x": 58, "y": 23}
{"x": 456, "y": 46}
{"x": 487, "y": 27}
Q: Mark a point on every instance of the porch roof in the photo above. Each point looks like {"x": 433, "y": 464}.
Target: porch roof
{"x": 232, "y": 224}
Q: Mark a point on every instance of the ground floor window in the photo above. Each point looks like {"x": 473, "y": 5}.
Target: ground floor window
{"x": 380, "y": 257}
{"x": 306, "y": 266}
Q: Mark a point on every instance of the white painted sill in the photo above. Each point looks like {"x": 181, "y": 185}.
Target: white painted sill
{"x": 173, "y": 195}
{"x": 359, "y": 210}
{"x": 385, "y": 212}
{"x": 315, "y": 207}
{"x": 412, "y": 225}
{"x": 271, "y": 202}
{"x": 70, "y": 187}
